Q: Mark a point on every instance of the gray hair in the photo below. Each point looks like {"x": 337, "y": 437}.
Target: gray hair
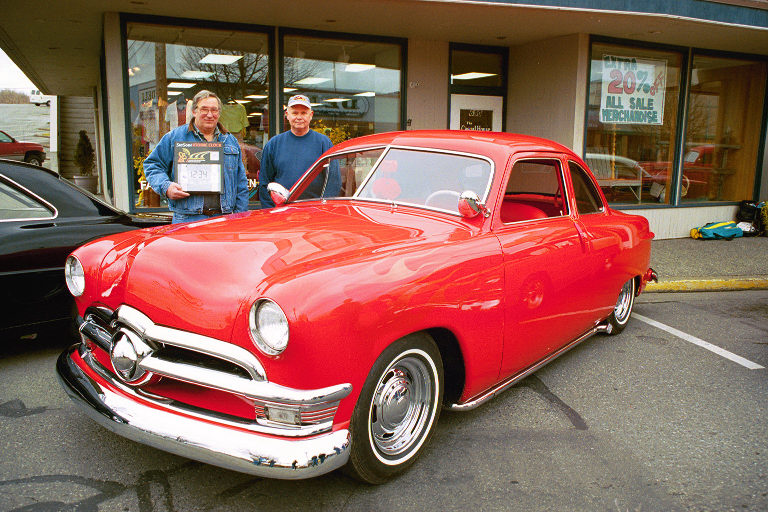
{"x": 203, "y": 95}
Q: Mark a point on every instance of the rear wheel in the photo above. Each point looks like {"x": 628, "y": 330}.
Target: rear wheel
{"x": 397, "y": 410}
{"x": 623, "y": 308}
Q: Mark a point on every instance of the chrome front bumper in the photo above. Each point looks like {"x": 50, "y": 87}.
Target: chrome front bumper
{"x": 205, "y": 441}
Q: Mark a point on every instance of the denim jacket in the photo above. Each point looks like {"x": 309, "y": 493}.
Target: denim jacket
{"x": 158, "y": 168}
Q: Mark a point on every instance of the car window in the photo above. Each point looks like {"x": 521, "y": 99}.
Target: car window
{"x": 341, "y": 175}
{"x": 406, "y": 176}
{"x": 586, "y": 195}
{"x": 14, "y": 204}
{"x": 5, "y": 138}
{"x": 533, "y": 191}
{"x": 427, "y": 178}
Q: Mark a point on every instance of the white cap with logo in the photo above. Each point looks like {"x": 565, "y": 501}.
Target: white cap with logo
{"x": 299, "y": 99}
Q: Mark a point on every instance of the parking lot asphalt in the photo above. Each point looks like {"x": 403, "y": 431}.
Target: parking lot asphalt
{"x": 645, "y": 420}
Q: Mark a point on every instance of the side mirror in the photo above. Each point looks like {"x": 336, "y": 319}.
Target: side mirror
{"x": 278, "y": 193}
{"x": 470, "y": 205}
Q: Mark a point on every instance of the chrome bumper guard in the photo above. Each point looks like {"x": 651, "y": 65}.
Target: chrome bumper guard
{"x": 205, "y": 441}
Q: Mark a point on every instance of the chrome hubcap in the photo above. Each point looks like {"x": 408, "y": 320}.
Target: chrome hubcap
{"x": 624, "y": 304}
{"x": 402, "y": 406}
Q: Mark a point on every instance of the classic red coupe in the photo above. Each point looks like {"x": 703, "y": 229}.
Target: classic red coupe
{"x": 405, "y": 272}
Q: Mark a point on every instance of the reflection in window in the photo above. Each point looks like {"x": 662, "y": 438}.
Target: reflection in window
{"x": 631, "y": 122}
{"x": 722, "y": 129}
{"x": 16, "y": 205}
{"x": 586, "y": 195}
{"x": 354, "y": 85}
{"x": 168, "y": 65}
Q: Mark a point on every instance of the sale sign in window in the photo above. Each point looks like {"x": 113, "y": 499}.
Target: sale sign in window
{"x": 632, "y": 90}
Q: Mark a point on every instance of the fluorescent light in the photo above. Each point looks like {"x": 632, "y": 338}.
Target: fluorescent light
{"x": 367, "y": 94}
{"x": 289, "y": 89}
{"x": 356, "y": 68}
{"x": 214, "y": 58}
{"x": 242, "y": 101}
{"x": 336, "y": 100}
{"x": 472, "y": 75}
{"x": 315, "y": 104}
{"x": 256, "y": 96}
{"x": 181, "y": 85}
{"x": 312, "y": 80}
{"x": 254, "y": 114}
{"x": 196, "y": 75}
{"x": 174, "y": 93}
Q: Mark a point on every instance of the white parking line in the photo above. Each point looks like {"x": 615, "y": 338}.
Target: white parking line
{"x": 704, "y": 344}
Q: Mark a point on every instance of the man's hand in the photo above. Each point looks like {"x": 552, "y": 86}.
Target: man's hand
{"x": 174, "y": 192}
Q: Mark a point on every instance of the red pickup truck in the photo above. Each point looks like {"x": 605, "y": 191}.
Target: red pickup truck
{"x": 13, "y": 149}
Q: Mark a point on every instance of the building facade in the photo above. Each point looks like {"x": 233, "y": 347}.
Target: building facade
{"x": 666, "y": 104}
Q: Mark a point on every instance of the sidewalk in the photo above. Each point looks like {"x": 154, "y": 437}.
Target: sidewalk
{"x": 686, "y": 264}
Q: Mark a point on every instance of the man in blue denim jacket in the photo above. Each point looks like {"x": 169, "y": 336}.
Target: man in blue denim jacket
{"x": 204, "y": 126}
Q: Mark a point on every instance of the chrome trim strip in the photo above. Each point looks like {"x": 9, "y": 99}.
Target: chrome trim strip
{"x": 480, "y": 399}
{"x": 259, "y": 390}
{"x": 142, "y": 324}
{"x": 95, "y": 332}
{"x": 259, "y": 424}
{"x": 234, "y": 449}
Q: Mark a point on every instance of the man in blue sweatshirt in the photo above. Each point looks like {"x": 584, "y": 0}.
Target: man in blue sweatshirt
{"x": 288, "y": 155}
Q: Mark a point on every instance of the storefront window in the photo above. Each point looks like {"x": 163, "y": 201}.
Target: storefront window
{"x": 168, "y": 65}
{"x": 722, "y": 129}
{"x": 632, "y": 122}
{"x": 354, "y": 85}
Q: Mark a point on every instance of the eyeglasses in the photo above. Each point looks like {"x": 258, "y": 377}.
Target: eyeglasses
{"x": 206, "y": 110}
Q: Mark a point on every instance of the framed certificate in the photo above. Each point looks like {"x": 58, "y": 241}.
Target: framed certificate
{"x": 197, "y": 166}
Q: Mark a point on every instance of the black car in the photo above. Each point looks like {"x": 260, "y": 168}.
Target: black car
{"x": 43, "y": 217}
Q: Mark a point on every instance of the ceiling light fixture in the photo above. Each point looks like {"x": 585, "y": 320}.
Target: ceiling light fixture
{"x": 181, "y": 85}
{"x": 336, "y": 100}
{"x": 367, "y": 94}
{"x": 196, "y": 75}
{"x": 255, "y": 96}
{"x": 214, "y": 58}
{"x": 312, "y": 80}
{"x": 357, "y": 68}
{"x": 471, "y": 75}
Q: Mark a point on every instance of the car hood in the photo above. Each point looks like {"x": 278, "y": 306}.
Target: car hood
{"x": 197, "y": 276}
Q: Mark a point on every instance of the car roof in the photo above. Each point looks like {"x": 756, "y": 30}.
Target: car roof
{"x": 49, "y": 185}
{"x": 448, "y": 139}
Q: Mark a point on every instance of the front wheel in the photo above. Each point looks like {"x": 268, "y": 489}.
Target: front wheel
{"x": 397, "y": 410}
{"x": 623, "y": 308}
{"x": 34, "y": 160}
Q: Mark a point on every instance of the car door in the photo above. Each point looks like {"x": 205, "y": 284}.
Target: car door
{"x": 545, "y": 257}
{"x": 606, "y": 241}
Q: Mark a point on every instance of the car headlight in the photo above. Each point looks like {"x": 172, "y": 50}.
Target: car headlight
{"x": 269, "y": 327}
{"x": 75, "y": 276}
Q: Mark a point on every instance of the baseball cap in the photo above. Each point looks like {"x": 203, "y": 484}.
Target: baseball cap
{"x": 299, "y": 99}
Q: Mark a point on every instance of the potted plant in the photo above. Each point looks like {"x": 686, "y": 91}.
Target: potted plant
{"x": 85, "y": 159}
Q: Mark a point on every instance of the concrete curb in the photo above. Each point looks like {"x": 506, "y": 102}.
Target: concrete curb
{"x": 709, "y": 285}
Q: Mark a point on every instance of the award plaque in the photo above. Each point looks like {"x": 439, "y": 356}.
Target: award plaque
{"x": 197, "y": 166}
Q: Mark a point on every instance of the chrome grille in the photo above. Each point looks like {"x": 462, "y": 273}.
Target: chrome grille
{"x": 209, "y": 363}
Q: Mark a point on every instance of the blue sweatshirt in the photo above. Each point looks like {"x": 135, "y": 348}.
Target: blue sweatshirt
{"x": 285, "y": 159}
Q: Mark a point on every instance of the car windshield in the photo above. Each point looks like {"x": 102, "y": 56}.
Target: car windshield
{"x": 405, "y": 176}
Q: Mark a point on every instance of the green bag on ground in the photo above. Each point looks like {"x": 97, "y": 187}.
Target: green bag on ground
{"x": 718, "y": 231}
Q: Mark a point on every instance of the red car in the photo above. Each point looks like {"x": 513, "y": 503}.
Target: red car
{"x": 13, "y": 149}
{"x": 330, "y": 330}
